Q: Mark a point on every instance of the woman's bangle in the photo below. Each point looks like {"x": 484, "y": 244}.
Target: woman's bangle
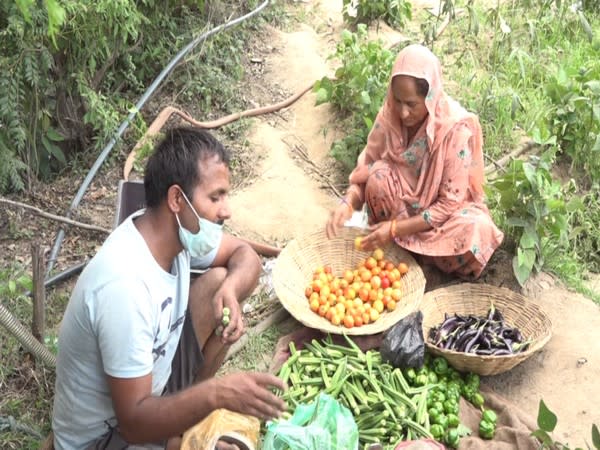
{"x": 393, "y": 229}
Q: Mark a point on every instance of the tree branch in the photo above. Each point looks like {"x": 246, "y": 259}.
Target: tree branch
{"x": 47, "y": 215}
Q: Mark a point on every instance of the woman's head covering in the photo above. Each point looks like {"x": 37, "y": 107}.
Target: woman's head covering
{"x": 387, "y": 139}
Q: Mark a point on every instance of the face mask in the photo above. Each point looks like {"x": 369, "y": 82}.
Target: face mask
{"x": 203, "y": 242}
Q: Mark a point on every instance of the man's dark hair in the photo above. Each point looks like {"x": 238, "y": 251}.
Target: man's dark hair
{"x": 422, "y": 87}
{"x": 175, "y": 161}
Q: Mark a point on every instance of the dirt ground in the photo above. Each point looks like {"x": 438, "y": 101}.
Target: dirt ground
{"x": 287, "y": 199}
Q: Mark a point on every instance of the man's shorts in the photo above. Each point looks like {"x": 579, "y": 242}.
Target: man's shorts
{"x": 186, "y": 364}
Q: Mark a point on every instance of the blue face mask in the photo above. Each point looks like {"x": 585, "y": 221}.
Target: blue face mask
{"x": 205, "y": 240}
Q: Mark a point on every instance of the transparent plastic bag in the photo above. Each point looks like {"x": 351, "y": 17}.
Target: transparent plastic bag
{"x": 224, "y": 425}
{"x": 322, "y": 424}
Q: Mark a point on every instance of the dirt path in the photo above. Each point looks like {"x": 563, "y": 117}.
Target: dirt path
{"x": 285, "y": 201}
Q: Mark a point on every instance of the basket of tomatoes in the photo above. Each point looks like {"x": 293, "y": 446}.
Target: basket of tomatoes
{"x": 334, "y": 286}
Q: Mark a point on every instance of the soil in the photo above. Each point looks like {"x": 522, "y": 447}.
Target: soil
{"x": 291, "y": 189}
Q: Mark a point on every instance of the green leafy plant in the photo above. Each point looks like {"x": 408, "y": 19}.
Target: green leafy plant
{"x": 73, "y": 68}
{"x": 357, "y": 91}
{"x": 395, "y": 12}
{"x": 546, "y": 422}
{"x": 575, "y": 93}
{"x": 535, "y": 211}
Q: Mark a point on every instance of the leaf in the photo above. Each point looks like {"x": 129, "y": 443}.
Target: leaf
{"x": 12, "y": 286}
{"x": 54, "y": 150}
{"x": 543, "y": 437}
{"x": 56, "y": 17}
{"x": 521, "y": 272}
{"x": 595, "y": 436}
{"x": 366, "y": 99}
{"x": 516, "y": 222}
{"x": 529, "y": 238}
{"x": 546, "y": 419}
{"x": 54, "y": 135}
{"x": 526, "y": 257}
{"x": 322, "y": 96}
{"x": 596, "y": 147}
{"x": 25, "y": 8}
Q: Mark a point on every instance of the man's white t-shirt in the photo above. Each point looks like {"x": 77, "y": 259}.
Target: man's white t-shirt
{"x": 124, "y": 319}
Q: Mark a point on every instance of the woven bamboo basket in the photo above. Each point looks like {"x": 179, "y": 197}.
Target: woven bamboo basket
{"x": 295, "y": 265}
{"x": 469, "y": 298}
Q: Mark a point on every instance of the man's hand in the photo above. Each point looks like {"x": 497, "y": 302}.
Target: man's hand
{"x": 225, "y": 298}
{"x": 378, "y": 238}
{"x": 248, "y": 393}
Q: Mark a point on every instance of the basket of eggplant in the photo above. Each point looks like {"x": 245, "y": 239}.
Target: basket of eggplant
{"x": 482, "y": 328}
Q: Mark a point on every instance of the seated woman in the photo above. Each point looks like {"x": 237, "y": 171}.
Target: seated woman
{"x": 421, "y": 174}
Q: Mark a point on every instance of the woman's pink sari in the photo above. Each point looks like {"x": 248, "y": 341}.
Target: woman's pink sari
{"x": 438, "y": 174}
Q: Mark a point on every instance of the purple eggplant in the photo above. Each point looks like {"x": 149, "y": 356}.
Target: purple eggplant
{"x": 487, "y": 335}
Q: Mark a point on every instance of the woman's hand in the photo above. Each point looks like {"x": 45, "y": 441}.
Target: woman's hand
{"x": 337, "y": 218}
{"x": 233, "y": 330}
{"x": 379, "y": 237}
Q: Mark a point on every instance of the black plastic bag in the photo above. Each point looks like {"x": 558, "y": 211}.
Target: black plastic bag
{"x": 403, "y": 344}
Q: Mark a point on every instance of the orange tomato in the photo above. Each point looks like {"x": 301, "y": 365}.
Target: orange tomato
{"x": 329, "y": 313}
{"x": 317, "y": 285}
{"x": 391, "y": 305}
{"x": 351, "y": 293}
{"x": 313, "y": 297}
{"x": 358, "y": 243}
{"x": 323, "y": 310}
{"x": 314, "y": 305}
{"x": 348, "y": 321}
{"x": 396, "y": 294}
{"x": 363, "y": 294}
{"x": 358, "y": 322}
{"x": 373, "y": 294}
{"x": 349, "y": 276}
{"x": 375, "y": 282}
{"x": 403, "y": 268}
{"x": 365, "y": 275}
{"x": 308, "y": 292}
{"x": 386, "y": 299}
{"x": 378, "y": 254}
{"x": 373, "y": 314}
{"x": 335, "y": 319}
{"x": 366, "y": 318}
{"x": 378, "y": 306}
{"x": 370, "y": 262}
{"x": 389, "y": 266}
{"x": 341, "y": 308}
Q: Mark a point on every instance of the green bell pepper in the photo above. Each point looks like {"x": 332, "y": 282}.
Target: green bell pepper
{"x": 489, "y": 416}
{"x": 452, "y": 437}
{"x": 478, "y": 399}
{"x": 451, "y": 406}
{"x": 453, "y": 420}
{"x": 487, "y": 429}
{"x": 437, "y": 431}
{"x": 440, "y": 365}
